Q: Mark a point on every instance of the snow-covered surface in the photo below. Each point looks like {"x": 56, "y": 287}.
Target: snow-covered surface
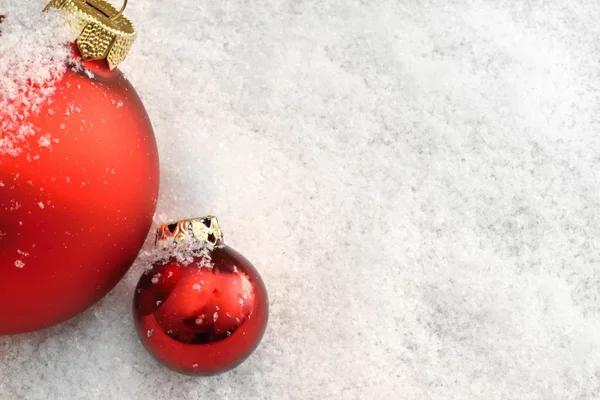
{"x": 417, "y": 181}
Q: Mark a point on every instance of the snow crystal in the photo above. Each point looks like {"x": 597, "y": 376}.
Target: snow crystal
{"x": 155, "y": 278}
{"x": 33, "y": 54}
{"x": 19, "y": 264}
{"x": 184, "y": 250}
{"x": 44, "y": 141}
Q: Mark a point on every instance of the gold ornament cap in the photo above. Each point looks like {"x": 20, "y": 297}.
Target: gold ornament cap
{"x": 105, "y": 32}
{"x": 204, "y": 229}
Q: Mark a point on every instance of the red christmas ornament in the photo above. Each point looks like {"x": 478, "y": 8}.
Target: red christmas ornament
{"x": 205, "y": 317}
{"x": 76, "y": 212}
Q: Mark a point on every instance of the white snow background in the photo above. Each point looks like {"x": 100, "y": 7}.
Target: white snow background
{"x": 417, "y": 182}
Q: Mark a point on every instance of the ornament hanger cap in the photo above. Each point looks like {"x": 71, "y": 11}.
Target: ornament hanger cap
{"x": 105, "y": 32}
{"x": 205, "y": 229}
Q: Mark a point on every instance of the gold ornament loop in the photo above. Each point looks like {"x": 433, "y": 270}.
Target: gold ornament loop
{"x": 120, "y": 11}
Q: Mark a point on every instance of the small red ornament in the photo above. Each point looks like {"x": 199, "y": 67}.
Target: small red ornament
{"x": 76, "y": 212}
{"x": 205, "y": 317}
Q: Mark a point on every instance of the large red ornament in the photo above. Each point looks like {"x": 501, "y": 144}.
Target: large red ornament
{"x": 76, "y": 211}
{"x": 205, "y": 317}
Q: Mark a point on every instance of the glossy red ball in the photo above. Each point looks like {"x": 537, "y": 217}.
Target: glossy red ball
{"x": 76, "y": 211}
{"x": 199, "y": 319}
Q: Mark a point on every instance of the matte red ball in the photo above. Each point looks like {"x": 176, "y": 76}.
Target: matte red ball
{"x": 76, "y": 212}
{"x": 202, "y": 320}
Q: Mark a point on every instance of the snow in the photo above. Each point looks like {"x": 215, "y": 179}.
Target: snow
{"x": 184, "y": 249}
{"x": 417, "y": 183}
{"x": 33, "y": 49}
